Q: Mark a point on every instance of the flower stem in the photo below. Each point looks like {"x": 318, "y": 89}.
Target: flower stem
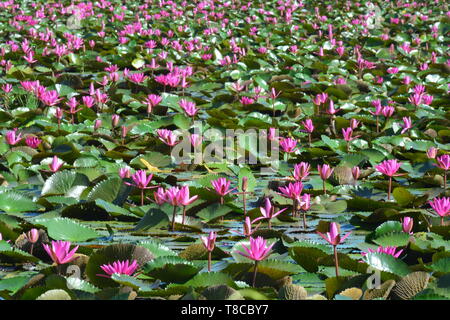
{"x": 254, "y": 273}
{"x": 173, "y": 217}
{"x": 304, "y": 220}
{"x": 324, "y": 187}
{"x": 244, "y": 199}
{"x": 389, "y": 188}
{"x": 209, "y": 260}
{"x": 184, "y": 215}
{"x": 336, "y": 262}
{"x": 445, "y": 180}
{"x": 142, "y": 197}
{"x": 294, "y": 205}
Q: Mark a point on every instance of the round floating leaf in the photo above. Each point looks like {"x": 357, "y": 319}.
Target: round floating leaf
{"x": 68, "y": 183}
{"x": 171, "y": 269}
{"x": 67, "y": 229}
{"x": 398, "y": 239}
{"x": 403, "y": 196}
{"x": 157, "y": 249}
{"x": 214, "y": 211}
{"x": 11, "y": 201}
{"x": 111, "y": 190}
{"x": 208, "y": 279}
{"x": 442, "y": 265}
{"x": 132, "y": 282}
{"x": 388, "y": 263}
{"x": 388, "y": 227}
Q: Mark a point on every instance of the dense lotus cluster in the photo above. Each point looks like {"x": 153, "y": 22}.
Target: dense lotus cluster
{"x": 96, "y": 99}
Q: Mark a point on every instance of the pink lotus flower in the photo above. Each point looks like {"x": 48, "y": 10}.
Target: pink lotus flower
{"x": 325, "y": 171}
{"x": 56, "y": 164}
{"x": 209, "y": 241}
{"x": 33, "y": 142}
{"x": 97, "y": 124}
{"x": 259, "y": 250}
{"x": 389, "y": 167}
{"x": 188, "y": 107}
{"x": 301, "y": 171}
{"x": 441, "y": 206}
{"x": 392, "y": 251}
{"x": 347, "y": 133}
{"x": 333, "y": 237}
{"x": 356, "y": 171}
{"x": 388, "y": 111}
{"x": 119, "y": 267}
{"x": 12, "y": 138}
{"x": 137, "y": 77}
{"x": 141, "y": 180}
{"x": 444, "y": 162}
{"x": 308, "y": 124}
{"x": 407, "y": 224}
{"x": 407, "y": 124}
{"x": 288, "y": 144}
{"x": 7, "y": 88}
{"x": 292, "y": 191}
{"x": 354, "y": 123}
{"x": 124, "y": 172}
{"x": 268, "y": 212}
{"x": 222, "y": 187}
{"x": 196, "y": 140}
{"x": 167, "y": 136}
{"x": 320, "y": 98}
{"x": 432, "y": 152}
{"x": 59, "y": 252}
{"x": 32, "y": 236}
{"x": 331, "y": 110}
{"x": 160, "y": 196}
{"x": 415, "y": 99}
{"x": 247, "y": 100}
{"x": 183, "y": 196}
{"x": 151, "y": 101}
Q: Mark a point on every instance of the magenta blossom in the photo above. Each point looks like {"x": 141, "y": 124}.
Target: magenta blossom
{"x": 389, "y": 167}
{"x": 392, "y": 251}
{"x": 33, "y": 142}
{"x": 259, "y": 250}
{"x": 432, "y": 152}
{"x": 59, "y": 252}
{"x": 167, "y": 136}
{"x": 56, "y": 164}
{"x": 407, "y": 224}
{"x": 188, "y": 107}
{"x": 301, "y": 171}
{"x": 333, "y": 237}
{"x": 292, "y": 191}
{"x": 222, "y": 187}
{"x": 12, "y": 138}
{"x": 209, "y": 241}
{"x": 268, "y": 212}
{"x": 407, "y": 124}
{"x": 444, "y": 162}
{"x": 441, "y": 206}
{"x": 119, "y": 267}
{"x": 288, "y": 144}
